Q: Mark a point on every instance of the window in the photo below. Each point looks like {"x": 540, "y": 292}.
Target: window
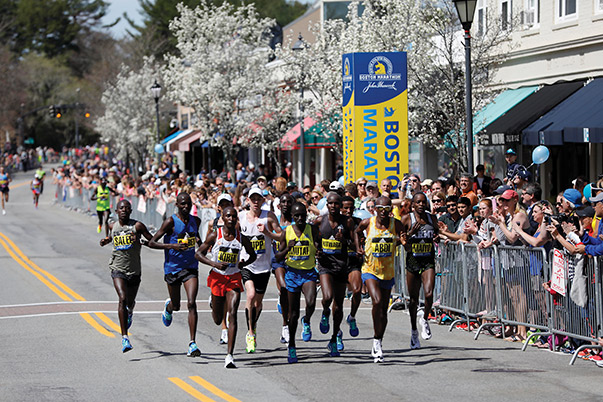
{"x": 481, "y": 17}
{"x": 184, "y": 121}
{"x": 506, "y": 14}
{"x": 531, "y": 15}
{"x": 598, "y": 6}
{"x": 566, "y": 10}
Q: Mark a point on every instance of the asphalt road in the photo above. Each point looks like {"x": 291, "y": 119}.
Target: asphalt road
{"x": 60, "y": 339}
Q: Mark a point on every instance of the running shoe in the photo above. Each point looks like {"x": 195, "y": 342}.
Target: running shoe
{"x": 126, "y": 346}
{"x": 166, "y": 317}
{"x": 425, "y": 330}
{"x": 333, "y": 352}
{"x": 98, "y": 229}
{"x": 130, "y": 314}
{"x": 229, "y": 362}
{"x": 599, "y": 363}
{"x": 340, "y": 341}
{"x": 306, "y": 330}
{"x": 224, "y": 337}
{"x": 376, "y": 352}
{"x": 285, "y": 334}
{"x": 3, "y": 212}
{"x": 292, "y": 355}
{"x": 324, "y": 321}
{"x": 250, "y": 340}
{"x": 193, "y": 350}
{"x": 353, "y": 326}
{"x": 414, "y": 339}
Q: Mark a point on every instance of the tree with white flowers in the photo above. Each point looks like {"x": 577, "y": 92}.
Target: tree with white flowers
{"x": 221, "y": 72}
{"x": 129, "y": 122}
{"x": 429, "y": 32}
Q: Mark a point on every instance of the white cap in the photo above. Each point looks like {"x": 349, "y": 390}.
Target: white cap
{"x": 335, "y": 185}
{"x": 255, "y": 190}
{"x": 251, "y": 165}
{"x": 157, "y": 182}
{"x": 223, "y": 197}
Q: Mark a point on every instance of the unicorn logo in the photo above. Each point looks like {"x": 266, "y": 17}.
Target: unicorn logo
{"x": 380, "y": 69}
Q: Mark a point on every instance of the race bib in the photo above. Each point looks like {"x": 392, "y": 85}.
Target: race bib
{"x": 421, "y": 249}
{"x": 122, "y": 241}
{"x": 189, "y": 241}
{"x": 301, "y": 251}
{"x": 228, "y": 255}
{"x": 259, "y": 244}
{"x": 382, "y": 247}
{"x": 331, "y": 246}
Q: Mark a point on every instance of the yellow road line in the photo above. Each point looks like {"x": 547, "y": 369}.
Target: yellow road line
{"x": 109, "y": 322}
{"x": 191, "y": 391}
{"x": 34, "y": 273}
{"x": 96, "y": 325}
{"x": 19, "y": 185}
{"x": 213, "y": 389}
{"x": 47, "y": 274}
{"x": 34, "y": 268}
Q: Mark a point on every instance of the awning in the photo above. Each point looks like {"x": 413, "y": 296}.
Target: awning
{"x": 576, "y": 119}
{"x": 315, "y": 136}
{"x": 507, "y": 128}
{"x": 499, "y": 106}
{"x": 288, "y": 141}
{"x": 183, "y": 143}
{"x": 174, "y": 137}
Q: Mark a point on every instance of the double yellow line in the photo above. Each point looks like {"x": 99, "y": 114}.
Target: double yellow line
{"x": 205, "y": 384}
{"x": 58, "y": 287}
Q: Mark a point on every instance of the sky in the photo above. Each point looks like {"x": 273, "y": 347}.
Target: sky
{"x": 116, "y": 9}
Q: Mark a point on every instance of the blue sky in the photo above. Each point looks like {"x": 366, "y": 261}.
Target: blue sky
{"x": 116, "y": 9}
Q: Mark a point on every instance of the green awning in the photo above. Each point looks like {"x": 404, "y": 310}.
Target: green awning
{"x": 499, "y": 106}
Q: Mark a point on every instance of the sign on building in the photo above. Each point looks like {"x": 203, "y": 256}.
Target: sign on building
{"x": 375, "y": 116}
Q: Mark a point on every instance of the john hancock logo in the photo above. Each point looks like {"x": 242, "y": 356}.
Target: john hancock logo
{"x": 347, "y": 76}
{"x": 380, "y": 75}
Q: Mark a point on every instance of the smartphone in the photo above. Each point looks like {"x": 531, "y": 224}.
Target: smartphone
{"x": 547, "y": 219}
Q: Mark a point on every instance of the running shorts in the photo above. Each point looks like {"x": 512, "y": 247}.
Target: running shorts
{"x": 131, "y": 280}
{"x": 295, "y": 278}
{"x": 338, "y": 276}
{"x": 383, "y": 284}
{"x": 220, "y": 284}
{"x": 181, "y": 276}
{"x": 260, "y": 281}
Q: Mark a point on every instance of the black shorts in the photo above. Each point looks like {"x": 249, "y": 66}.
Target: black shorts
{"x": 338, "y": 276}
{"x": 181, "y": 276}
{"x": 131, "y": 280}
{"x": 4, "y": 190}
{"x": 418, "y": 269}
{"x": 260, "y": 281}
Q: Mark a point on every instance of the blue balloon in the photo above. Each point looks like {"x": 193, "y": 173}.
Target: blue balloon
{"x": 342, "y": 180}
{"x": 362, "y": 214}
{"x": 159, "y": 148}
{"x": 321, "y": 204}
{"x": 588, "y": 191}
{"x": 540, "y": 154}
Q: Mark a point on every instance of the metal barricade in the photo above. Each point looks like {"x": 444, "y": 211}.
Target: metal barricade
{"x": 578, "y": 314}
{"x": 453, "y": 290}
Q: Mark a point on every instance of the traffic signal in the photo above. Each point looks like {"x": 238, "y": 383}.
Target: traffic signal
{"x": 87, "y": 114}
{"x": 51, "y": 111}
{"x": 58, "y": 113}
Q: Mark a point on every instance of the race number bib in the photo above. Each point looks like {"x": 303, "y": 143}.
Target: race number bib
{"x": 382, "y": 247}
{"x": 259, "y": 244}
{"x": 331, "y": 246}
{"x": 123, "y": 241}
{"x": 228, "y": 255}
{"x": 421, "y": 249}
{"x": 301, "y": 251}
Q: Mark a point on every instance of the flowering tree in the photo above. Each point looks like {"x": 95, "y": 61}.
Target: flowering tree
{"x": 129, "y": 122}
{"x": 428, "y": 31}
{"x": 221, "y": 72}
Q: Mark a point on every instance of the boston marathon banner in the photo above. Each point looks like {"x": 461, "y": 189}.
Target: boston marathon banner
{"x": 375, "y": 116}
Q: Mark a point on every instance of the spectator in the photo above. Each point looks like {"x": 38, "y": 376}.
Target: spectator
{"x": 452, "y": 217}
{"x": 466, "y": 186}
{"x": 481, "y": 182}
{"x": 511, "y": 158}
{"x": 361, "y": 185}
{"x": 372, "y": 190}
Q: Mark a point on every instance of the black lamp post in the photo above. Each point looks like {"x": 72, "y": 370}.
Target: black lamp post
{"x": 298, "y": 46}
{"x": 465, "y": 10}
{"x": 156, "y": 91}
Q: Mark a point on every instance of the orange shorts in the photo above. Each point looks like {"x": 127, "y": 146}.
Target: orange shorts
{"x": 220, "y": 284}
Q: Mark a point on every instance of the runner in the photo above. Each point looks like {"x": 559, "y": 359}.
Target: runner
{"x": 224, "y": 280}
{"x": 336, "y": 231}
{"x": 103, "y": 204}
{"x": 284, "y": 219}
{"x": 354, "y": 268}
{"x": 4, "y": 181}
{"x": 223, "y": 201}
{"x": 298, "y": 245}
{"x": 180, "y": 232}
{"x": 40, "y": 173}
{"x": 378, "y": 267}
{"x": 257, "y": 274}
{"x": 421, "y": 232}
{"x": 36, "y": 186}
{"x": 125, "y": 265}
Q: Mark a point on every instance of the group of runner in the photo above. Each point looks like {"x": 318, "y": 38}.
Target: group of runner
{"x": 36, "y": 186}
{"x": 243, "y": 247}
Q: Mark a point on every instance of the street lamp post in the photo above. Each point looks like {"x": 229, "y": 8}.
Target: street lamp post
{"x": 156, "y": 91}
{"x": 465, "y": 10}
{"x": 298, "y": 46}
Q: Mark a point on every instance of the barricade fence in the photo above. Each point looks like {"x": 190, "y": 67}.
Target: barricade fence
{"x": 151, "y": 212}
{"x": 503, "y": 286}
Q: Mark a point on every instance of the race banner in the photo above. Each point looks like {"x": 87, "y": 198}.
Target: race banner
{"x": 375, "y": 116}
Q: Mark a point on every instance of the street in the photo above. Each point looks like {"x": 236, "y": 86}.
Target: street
{"x": 61, "y": 342}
